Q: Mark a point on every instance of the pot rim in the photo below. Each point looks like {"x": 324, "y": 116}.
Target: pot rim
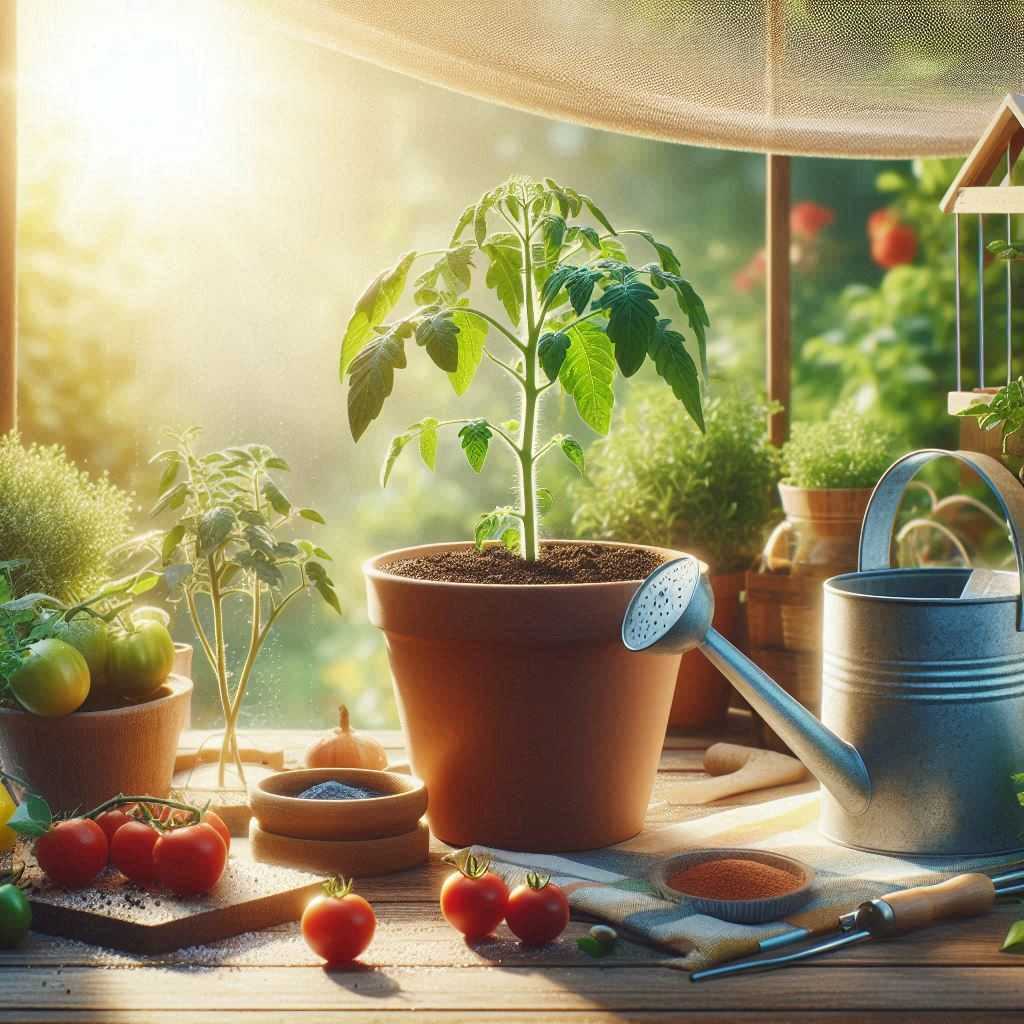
{"x": 178, "y": 685}
{"x": 834, "y": 585}
{"x": 413, "y": 785}
{"x": 372, "y": 570}
{"x": 794, "y": 489}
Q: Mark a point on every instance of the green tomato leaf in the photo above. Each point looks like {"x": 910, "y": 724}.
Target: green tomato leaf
{"x": 510, "y": 538}
{"x": 169, "y": 475}
{"x": 505, "y": 273}
{"x": 264, "y": 569}
{"x": 31, "y": 818}
{"x": 697, "y": 316}
{"x": 485, "y": 528}
{"x": 632, "y": 323}
{"x": 439, "y": 335}
{"x": 174, "y": 498}
{"x": 428, "y": 441}
{"x": 172, "y": 538}
{"x": 580, "y": 286}
{"x": 472, "y": 339}
{"x": 312, "y": 515}
{"x": 1013, "y": 943}
{"x": 587, "y": 374}
{"x": 144, "y": 582}
{"x": 480, "y": 219}
{"x": 214, "y": 528}
{"x": 372, "y": 379}
{"x": 553, "y": 233}
{"x": 464, "y": 221}
{"x": 398, "y": 442}
{"x": 674, "y": 365}
{"x": 572, "y": 450}
{"x": 551, "y": 352}
{"x": 371, "y": 308}
{"x": 553, "y": 285}
{"x": 276, "y": 462}
{"x": 666, "y": 257}
{"x": 278, "y": 502}
{"x": 596, "y": 213}
{"x": 545, "y": 501}
{"x": 476, "y": 437}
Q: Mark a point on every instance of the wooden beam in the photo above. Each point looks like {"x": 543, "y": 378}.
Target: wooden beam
{"x": 8, "y": 216}
{"x": 990, "y": 199}
{"x": 778, "y": 357}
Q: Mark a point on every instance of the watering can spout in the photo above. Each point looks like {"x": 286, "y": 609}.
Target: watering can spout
{"x": 835, "y": 763}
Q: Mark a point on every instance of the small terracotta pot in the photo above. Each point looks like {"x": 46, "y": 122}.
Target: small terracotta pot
{"x": 78, "y": 761}
{"x": 531, "y": 724}
{"x": 702, "y": 694}
{"x": 825, "y": 525}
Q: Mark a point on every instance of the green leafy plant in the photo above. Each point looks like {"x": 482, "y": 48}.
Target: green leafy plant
{"x": 56, "y": 523}
{"x": 225, "y": 543}
{"x": 1006, "y": 251}
{"x": 656, "y": 479}
{"x": 846, "y": 450}
{"x": 1005, "y": 411}
{"x": 575, "y": 309}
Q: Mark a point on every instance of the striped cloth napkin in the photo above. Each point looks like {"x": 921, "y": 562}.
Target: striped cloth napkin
{"x": 611, "y": 884}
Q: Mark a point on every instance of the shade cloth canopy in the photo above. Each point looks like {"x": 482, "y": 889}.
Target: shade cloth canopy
{"x": 859, "y": 78}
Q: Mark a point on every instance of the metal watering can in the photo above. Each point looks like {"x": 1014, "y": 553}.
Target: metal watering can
{"x": 922, "y": 689}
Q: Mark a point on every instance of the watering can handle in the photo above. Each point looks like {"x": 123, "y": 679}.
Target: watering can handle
{"x": 880, "y": 517}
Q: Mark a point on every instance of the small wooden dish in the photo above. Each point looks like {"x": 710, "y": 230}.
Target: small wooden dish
{"x": 352, "y": 858}
{"x": 277, "y": 808}
{"x": 753, "y": 911}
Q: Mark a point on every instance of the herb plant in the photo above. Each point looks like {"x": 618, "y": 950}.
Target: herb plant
{"x": 655, "y": 479}
{"x": 58, "y": 526}
{"x": 575, "y": 308}
{"x": 226, "y": 543}
{"x": 1005, "y": 411}
{"x": 847, "y": 450}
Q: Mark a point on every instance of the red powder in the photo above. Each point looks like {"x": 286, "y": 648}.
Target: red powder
{"x": 732, "y": 878}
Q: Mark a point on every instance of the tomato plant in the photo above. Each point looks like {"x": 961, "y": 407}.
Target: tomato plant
{"x": 73, "y": 852}
{"x": 110, "y": 821}
{"x": 537, "y": 911}
{"x": 140, "y": 659}
{"x": 15, "y": 916}
{"x": 131, "y": 851}
{"x": 338, "y": 925}
{"x": 52, "y": 680}
{"x": 473, "y": 899}
{"x": 216, "y": 822}
{"x": 190, "y": 860}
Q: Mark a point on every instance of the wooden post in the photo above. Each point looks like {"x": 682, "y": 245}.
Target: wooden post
{"x": 778, "y": 356}
{"x": 8, "y": 216}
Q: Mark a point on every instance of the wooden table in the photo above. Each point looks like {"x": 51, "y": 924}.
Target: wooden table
{"x": 418, "y": 967}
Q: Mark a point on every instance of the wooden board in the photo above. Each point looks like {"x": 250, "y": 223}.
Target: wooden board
{"x": 117, "y": 914}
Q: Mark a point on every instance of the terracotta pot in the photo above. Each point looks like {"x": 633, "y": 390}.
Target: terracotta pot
{"x": 531, "y": 724}
{"x": 702, "y": 694}
{"x": 78, "y": 761}
{"x": 823, "y": 527}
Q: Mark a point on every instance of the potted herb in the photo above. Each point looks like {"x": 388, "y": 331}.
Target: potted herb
{"x": 1002, "y": 410}
{"x": 828, "y": 472}
{"x": 228, "y": 542}
{"x": 530, "y": 723}
{"x": 657, "y": 479}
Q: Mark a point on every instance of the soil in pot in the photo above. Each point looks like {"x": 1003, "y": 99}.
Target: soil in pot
{"x": 531, "y": 724}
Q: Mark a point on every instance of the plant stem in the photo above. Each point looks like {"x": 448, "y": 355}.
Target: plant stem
{"x": 222, "y": 671}
{"x": 531, "y": 394}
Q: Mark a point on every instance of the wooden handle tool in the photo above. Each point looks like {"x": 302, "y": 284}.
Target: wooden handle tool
{"x": 735, "y": 769}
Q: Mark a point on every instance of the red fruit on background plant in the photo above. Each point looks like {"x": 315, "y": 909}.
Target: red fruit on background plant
{"x": 73, "y": 852}
{"x": 473, "y": 899}
{"x": 190, "y": 860}
{"x": 111, "y": 821}
{"x": 131, "y": 851}
{"x": 894, "y": 246}
{"x": 338, "y": 925}
{"x": 752, "y": 273}
{"x": 807, "y": 219}
{"x": 881, "y": 220}
{"x": 537, "y": 911}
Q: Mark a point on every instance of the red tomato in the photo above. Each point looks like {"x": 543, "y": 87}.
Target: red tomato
{"x": 893, "y": 246}
{"x": 111, "y": 821}
{"x": 73, "y": 852}
{"x": 538, "y": 911}
{"x": 807, "y": 219}
{"x": 131, "y": 851}
{"x": 190, "y": 860}
{"x": 338, "y": 925}
{"x": 880, "y": 220}
{"x": 216, "y": 822}
{"x": 473, "y": 899}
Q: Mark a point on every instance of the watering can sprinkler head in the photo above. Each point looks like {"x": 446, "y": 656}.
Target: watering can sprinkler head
{"x": 671, "y": 613}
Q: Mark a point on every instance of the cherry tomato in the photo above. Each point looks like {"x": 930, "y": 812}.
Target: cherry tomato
{"x": 52, "y": 681}
{"x": 338, "y": 925}
{"x": 111, "y": 821}
{"x": 537, "y": 911}
{"x": 473, "y": 899}
{"x": 190, "y": 860}
{"x": 140, "y": 661}
{"x": 7, "y": 808}
{"x": 15, "y": 916}
{"x": 216, "y": 822}
{"x": 131, "y": 851}
{"x": 73, "y": 852}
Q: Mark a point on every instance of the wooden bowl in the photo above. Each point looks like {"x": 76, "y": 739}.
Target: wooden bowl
{"x": 351, "y": 858}
{"x": 753, "y": 911}
{"x": 278, "y": 809}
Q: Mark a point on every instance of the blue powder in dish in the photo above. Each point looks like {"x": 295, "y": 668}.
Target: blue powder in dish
{"x": 337, "y": 791}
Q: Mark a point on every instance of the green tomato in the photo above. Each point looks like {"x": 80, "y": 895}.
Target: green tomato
{"x": 15, "y": 916}
{"x": 89, "y": 636}
{"x": 53, "y": 680}
{"x": 140, "y": 661}
{"x": 148, "y": 612}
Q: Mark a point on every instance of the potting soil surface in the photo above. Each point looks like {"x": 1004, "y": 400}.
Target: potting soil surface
{"x": 558, "y": 563}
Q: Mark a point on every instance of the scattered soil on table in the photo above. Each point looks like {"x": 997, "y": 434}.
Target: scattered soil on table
{"x": 558, "y": 563}
{"x": 733, "y": 878}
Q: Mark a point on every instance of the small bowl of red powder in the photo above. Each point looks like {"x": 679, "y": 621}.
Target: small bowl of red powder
{"x": 742, "y": 886}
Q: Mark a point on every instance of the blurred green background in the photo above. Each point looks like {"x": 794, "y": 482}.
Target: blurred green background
{"x": 193, "y": 258}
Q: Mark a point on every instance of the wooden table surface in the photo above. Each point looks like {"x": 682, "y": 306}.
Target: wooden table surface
{"x": 418, "y": 967}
